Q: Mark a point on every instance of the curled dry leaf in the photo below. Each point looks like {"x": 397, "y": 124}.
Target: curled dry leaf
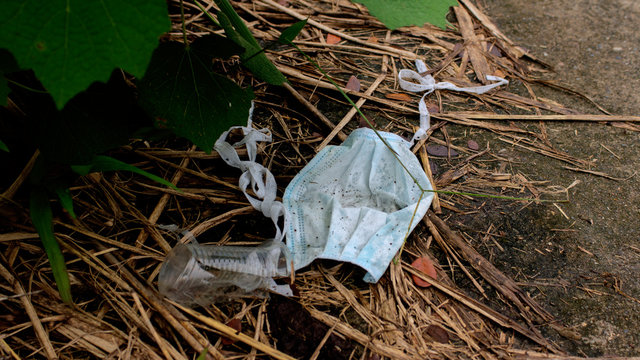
{"x": 425, "y": 265}
{"x": 235, "y": 324}
{"x": 353, "y": 84}
{"x": 399, "y": 97}
{"x": 333, "y": 39}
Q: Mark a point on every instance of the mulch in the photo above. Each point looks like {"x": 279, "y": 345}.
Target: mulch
{"x": 115, "y": 247}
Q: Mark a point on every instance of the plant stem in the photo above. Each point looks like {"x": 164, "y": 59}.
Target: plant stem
{"x": 206, "y": 13}
{"x": 184, "y": 25}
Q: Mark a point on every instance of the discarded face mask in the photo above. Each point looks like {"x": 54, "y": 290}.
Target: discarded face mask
{"x": 355, "y": 202}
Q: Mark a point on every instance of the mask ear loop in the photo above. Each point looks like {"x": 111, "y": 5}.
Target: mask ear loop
{"x": 255, "y": 175}
{"x": 412, "y": 81}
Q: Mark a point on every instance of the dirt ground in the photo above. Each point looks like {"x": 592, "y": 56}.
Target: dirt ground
{"x": 580, "y": 259}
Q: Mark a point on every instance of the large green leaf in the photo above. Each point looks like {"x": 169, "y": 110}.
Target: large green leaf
{"x": 42, "y": 219}
{"x": 185, "y": 95}
{"x": 72, "y": 43}
{"x": 253, "y": 57}
{"x": 397, "y": 13}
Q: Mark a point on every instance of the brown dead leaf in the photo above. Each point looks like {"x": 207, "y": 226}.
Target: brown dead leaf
{"x": 236, "y": 325}
{"x": 438, "y": 334}
{"x": 333, "y": 39}
{"x": 353, "y": 84}
{"x": 372, "y": 39}
{"x": 398, "y": 96}
{"x": 425, "y": 265}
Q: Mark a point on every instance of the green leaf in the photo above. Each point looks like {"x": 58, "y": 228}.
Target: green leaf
{"x": 65, "y": 199}
{"x": 253, "y": 57}
{"x": 3, "y": 146}
{"x": 182, "y": 93}
{"x": 397, "y": 13}
{"x": 7, "y": 65}
{"x": 203, "y": 354}
{"x": 291, "y": 32}
{"x": 107, "y": 163}
{"x": 72, "y": 43}
{"x": 42, "y": 220}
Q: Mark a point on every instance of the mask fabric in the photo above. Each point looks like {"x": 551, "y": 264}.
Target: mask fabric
{"x": 355, "y": 202}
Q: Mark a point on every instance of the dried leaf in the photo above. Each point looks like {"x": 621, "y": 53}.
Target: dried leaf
{"x": 473, "y": 145}
{"x": 372, "y": 39}
{"x": 441, "y": 151}
{"x": 399, "y": 97}
{"x": 433, "y": 108}
{"x": 438, "y": 334}
{"x": 425, "y": 265}
{"x": 333, "y": 39}
{"x": 353, "y": 84}
{"x": 236, "y": 325}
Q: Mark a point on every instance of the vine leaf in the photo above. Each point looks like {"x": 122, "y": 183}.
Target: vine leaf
{"x": 397, "y": 13}
{"x": 69, "y": 44}
{"x": 183, "y": 93}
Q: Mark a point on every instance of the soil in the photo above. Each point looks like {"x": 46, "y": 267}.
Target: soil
{"x": 581, "y": 258}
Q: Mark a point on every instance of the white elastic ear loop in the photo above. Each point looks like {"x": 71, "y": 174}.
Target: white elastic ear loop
{"x": 254, "y": 174}
{"x": 428, "y": 84}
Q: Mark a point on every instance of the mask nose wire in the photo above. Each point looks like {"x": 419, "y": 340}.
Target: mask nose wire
{"x": 261, "y": 180}
{"x": 412, "y": 81}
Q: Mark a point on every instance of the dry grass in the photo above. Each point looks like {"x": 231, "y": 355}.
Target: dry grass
{"x": 115, "y": 248}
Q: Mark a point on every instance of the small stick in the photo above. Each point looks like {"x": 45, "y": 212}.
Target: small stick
{"x": 31, "y": 312}
{"x": 234, "y": 334}
{"x": 558, "y": 117}
{"x": 342, "y": 136}
{"x": 480, "y": 65}
{"x": 427, "y": 169}
{"x": 295, "y": 14}
{"x": 147, "y": 321}
{"x": 162, "y": 203}
{"x": 8, "y": 194}
{"x": 352, "y": 112}
{"x": 208, "y": 224}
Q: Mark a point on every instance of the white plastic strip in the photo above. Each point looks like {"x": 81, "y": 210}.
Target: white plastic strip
{"x": 412, "y": 81}
{"x": 261, "y": 180}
